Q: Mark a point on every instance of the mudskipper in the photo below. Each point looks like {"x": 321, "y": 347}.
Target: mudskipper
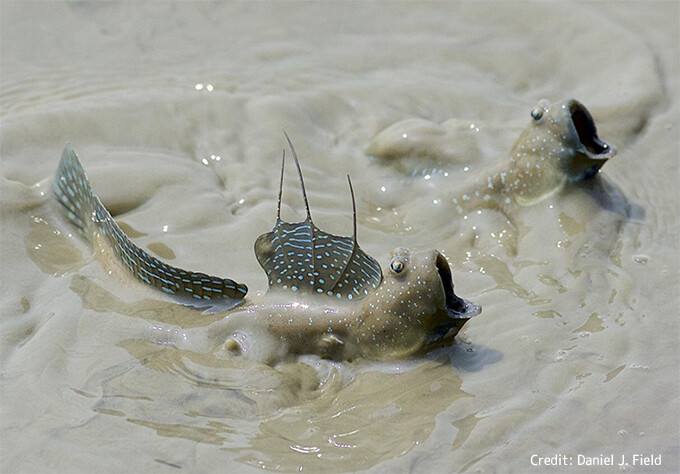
{"x": 559, "y": 151}
{"x": 559, "y": 146}
{"x": 326, "y": 295}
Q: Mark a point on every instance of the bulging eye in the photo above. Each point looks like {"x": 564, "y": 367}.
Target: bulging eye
{"x": 537, "y": 113}
{"x": 397, "y": 265}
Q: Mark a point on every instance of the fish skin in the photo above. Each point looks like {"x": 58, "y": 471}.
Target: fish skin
{"x": 413, "y": 308}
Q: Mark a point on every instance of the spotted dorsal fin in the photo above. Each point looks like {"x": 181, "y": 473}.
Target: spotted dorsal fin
{"x": 300, "y": 257}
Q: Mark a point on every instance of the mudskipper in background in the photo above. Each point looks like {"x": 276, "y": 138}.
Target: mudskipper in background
{"x": 559, "y": 146}
{"x": 559, "y": 151}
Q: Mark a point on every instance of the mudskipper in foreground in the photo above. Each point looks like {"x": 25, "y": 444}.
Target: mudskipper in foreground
{"x": 326, "y": 295}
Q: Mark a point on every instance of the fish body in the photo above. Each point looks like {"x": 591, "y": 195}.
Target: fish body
{"x": 559, "y": 146}
{"x": 413, "y": 310}
{"x": 326, "y": 295}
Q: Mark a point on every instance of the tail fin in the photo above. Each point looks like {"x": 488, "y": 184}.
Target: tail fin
{"x": 72, "y": 190}
{"x": 85, "y": 211}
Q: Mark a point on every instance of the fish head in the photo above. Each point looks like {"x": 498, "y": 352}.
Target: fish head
{"x": 560, "y": 145}
{"x": 414, "y": 309}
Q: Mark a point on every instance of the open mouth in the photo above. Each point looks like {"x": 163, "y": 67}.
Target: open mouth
{"x": 457, "y": 307}
{"x": 587, "y": 133}
{"x": 459, "y": 310}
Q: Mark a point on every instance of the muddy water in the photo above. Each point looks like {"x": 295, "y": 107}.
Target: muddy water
{"x": 176, "y": 111}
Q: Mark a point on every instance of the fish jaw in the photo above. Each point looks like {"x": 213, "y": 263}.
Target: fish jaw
{"x": 591, "y": 151}
{"x": 456, "y": 307}
{"x": 459, "y": 310}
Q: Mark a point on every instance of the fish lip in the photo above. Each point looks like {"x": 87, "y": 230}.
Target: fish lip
{"x": 593, "y": 147}
{"x": 456, "y": 307}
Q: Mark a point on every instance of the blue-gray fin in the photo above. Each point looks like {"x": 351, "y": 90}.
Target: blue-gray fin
{"x": 300, "y": 257}
{"x": 85, "y": 211}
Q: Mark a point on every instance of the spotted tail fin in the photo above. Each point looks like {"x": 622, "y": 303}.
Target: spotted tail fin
{"x": 85, "y": 211}
{"x": 72, "y": 190}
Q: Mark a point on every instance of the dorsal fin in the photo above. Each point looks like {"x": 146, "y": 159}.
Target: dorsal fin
{"x": 283, "y": 167}
{"x": 354, "y": 210}
{"x": 302, "y": 258}
{"x": 299, "y": 170}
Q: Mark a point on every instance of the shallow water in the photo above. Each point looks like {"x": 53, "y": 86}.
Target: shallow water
{"x": 176, "y": 111}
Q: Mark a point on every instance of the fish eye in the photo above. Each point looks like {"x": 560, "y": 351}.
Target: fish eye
{"x": 397, "y": 265}
{"x": 537, "y": 113}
